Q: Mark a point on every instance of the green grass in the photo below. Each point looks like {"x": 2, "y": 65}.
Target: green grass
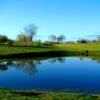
{"x": 93, "y": 46}
{"x": 33, "y": 48}
{"x": 6, "y": 94}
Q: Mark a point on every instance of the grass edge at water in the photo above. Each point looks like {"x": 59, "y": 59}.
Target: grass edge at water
{"x": 10, "y": 94}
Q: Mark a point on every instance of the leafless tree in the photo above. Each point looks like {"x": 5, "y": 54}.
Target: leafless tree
{"x": 60, "y": 38}
{"x": 30, "y": 31}
{"x": 53, "y": 38}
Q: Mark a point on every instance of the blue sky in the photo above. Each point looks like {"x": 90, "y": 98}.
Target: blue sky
{"x": 74, "y": 18}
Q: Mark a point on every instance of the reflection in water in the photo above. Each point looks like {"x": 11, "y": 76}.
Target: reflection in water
{"x": 3, "y": 67}
{"x": 96, "y": 59}
{"x": 62, "y": 59}
{"x": 81, "y": 58}
{"x": 30, "y": 67}
{"x": 59, "y": 59}
{"x": 77, "y": 74}
{"x": 27, "y": 66}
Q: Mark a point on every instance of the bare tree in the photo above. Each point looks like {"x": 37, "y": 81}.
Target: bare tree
{"x": 52, "y": 38}
{"x": 60, "y": 38}
{"x": 30, "y": 31}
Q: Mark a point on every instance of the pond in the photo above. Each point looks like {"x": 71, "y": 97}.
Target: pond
{"x": 71, "y": 74}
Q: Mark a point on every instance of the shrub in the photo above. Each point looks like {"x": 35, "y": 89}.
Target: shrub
{"x": 3, "y": 39}
{"x": 83, "y": 41}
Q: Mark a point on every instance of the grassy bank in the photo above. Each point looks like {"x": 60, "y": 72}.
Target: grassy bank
{"x": 25, "y": 50}
{"x": 6, "y": 94}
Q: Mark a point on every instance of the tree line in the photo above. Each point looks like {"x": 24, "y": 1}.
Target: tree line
{"x": 28, "y": 35}
{"x": 30, "y": 32}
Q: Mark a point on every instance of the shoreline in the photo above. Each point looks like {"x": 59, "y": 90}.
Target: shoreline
{"x": 40, "y": 95}
{"x": 53, "y": 53}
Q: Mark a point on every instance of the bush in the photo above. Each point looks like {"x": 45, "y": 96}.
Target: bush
{"x": 83, "y": 41}
{"x": 3, "y": 39}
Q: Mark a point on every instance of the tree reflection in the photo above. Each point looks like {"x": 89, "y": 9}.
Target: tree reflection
{"x": 9, "y": 63}
{"x": 3, "y": 67}
{"x": 97, "y": 59}
{"x": 28, "y": 66}
{"x": 81, "y": 58}
{"x": 59, "y": 59}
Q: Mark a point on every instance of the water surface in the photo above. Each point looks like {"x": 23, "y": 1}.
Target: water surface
{"x": 72, "y": 74}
